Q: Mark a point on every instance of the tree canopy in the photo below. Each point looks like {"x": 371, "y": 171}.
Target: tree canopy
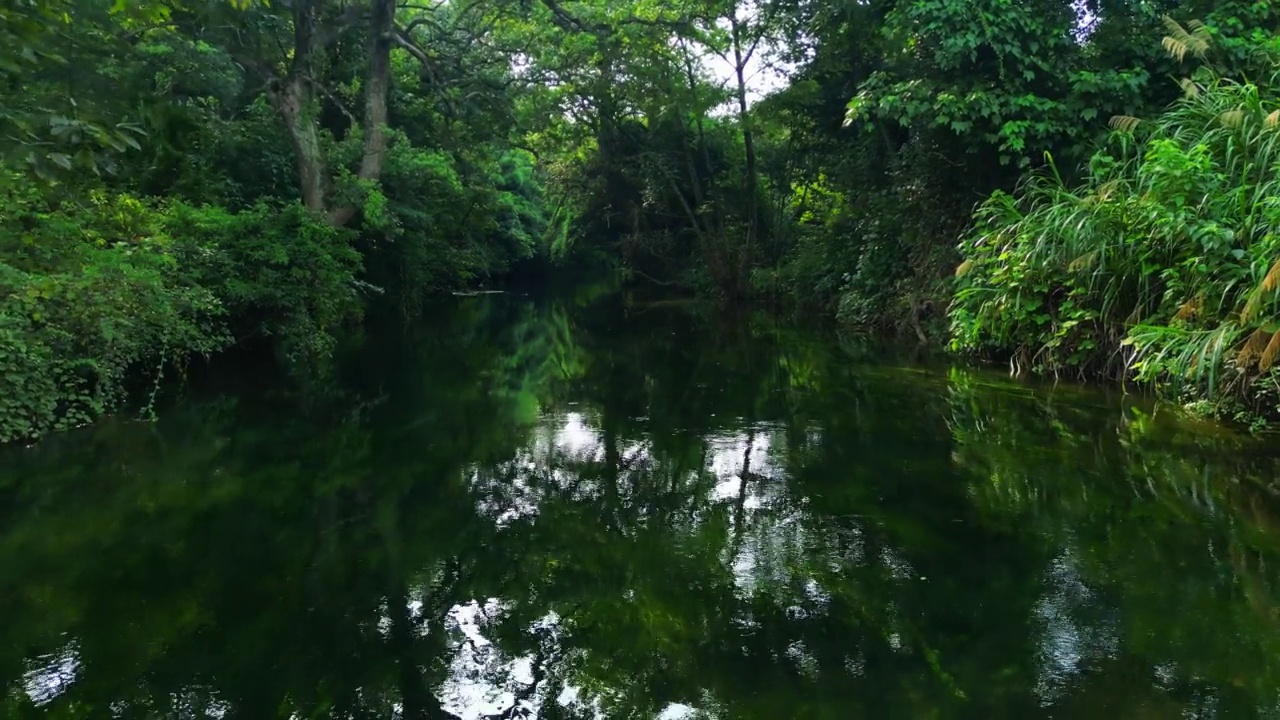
{"x": 183, "y": 175}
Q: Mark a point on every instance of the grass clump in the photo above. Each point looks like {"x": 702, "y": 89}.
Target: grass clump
{"x": 1162, "y": 265}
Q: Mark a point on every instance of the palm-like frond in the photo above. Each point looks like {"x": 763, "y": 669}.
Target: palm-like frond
{"x": 1270, "y": 353}
{"x": 1181, "y": 41}
{"x": 1124, "y": 123}
{"x": 1171, "y": 245}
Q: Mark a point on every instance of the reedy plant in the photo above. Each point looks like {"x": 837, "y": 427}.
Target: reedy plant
{"x": 1164, "y": 265}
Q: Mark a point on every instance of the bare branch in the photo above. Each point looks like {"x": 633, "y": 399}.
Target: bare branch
{"x": 761, "y": 26}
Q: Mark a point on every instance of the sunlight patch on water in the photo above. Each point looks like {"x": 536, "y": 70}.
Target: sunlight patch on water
{"x": 856, "y": 665}
{"x": 899, "y": 568}
{"x": 744, "y": 570}
{"x": 678, "y": 711}
{"x": 551, "y": 464}
{"x": 804, "y": 660}
{"x": 729, "y": 489}
{"x": 770, "y": 537}
{"x": 485, "y": 682}
{"x": 505, "y": 499}
{"x": 413, "y": 613}
{"x": 1068, "y": 638}
{"x": 482, "y": 681}
{"x": 707, "y": 709}
{"x": 575, "y": 437}
{"x": 726, "y": 454}
{"x": 48, "y": 676}
{"x": 194, "y": 702}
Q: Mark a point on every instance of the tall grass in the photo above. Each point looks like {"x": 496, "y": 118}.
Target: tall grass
{"x": 1164, "y": 264}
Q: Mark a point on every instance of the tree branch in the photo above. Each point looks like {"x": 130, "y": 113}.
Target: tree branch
{"x": 335, "y": 100}
{"x": 407, "y": 43}
{"x": 419, "y": 21}
{"x": 331, "y": 31}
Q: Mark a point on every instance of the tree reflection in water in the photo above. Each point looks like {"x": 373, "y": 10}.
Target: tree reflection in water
{"x": 577, "y": 510}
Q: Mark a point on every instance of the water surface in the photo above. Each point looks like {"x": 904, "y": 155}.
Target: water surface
{"x": 519, "y": 509}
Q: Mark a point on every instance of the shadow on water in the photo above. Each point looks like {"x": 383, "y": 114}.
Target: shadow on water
{"x": 594, "y": 508}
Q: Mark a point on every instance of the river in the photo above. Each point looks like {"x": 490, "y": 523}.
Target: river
{"x": 585, "y": 508}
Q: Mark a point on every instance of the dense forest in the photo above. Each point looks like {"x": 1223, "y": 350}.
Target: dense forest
{"x": 1080, "y": 188}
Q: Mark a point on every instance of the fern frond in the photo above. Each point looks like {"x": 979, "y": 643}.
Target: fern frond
{"x": 1172, "y": 25}
{"x": 1134, "y": 317}
{"x": 1251, "y": 307}
{"x": 1199, "y": 31}
{"x": 1084, "y": 261}
{"x": 1174, "y": 47}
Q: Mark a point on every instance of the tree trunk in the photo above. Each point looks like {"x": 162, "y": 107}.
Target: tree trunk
{"x": 694, "y": 176}
{"x": 612, "y": 470}
{"x": 294, "y": 103}
{"x": 293, "y": 97}
{"x": 751, "y": 182}
{"x": 740, "y": 507}
{"x": 377, "y": 88}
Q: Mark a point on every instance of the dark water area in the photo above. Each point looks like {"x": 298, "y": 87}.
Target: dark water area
{"x": 586, "y": 508}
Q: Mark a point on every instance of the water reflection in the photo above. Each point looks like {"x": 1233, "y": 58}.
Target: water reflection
{"x": 550, "y": 510}
{"x": 48, "y": 676}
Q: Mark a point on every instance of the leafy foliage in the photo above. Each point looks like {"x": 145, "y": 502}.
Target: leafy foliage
{"x": 294, "y": 160}
{"x": 279, "y": 272}
{"x": 1162, "y": 263}
{"x": 152, "y": 190}
{"x": 90, "y": 291}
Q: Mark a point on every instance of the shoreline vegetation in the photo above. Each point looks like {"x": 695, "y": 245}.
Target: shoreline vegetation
{"x": 1082, "y": 190}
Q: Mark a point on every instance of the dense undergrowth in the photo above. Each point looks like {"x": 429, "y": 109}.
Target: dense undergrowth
{"x": 130, "y": 247}
{"x": 179, "y": 177}
{"x": 101, "y": 283}
{"x": 1162, "y": 264}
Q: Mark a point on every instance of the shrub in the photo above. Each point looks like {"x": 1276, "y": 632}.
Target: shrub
{"x": 1162, "y": 264}
{"x": 281, "y": 272}
{"x": 88, "y": 290}
{"x": 98, "y": 287}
